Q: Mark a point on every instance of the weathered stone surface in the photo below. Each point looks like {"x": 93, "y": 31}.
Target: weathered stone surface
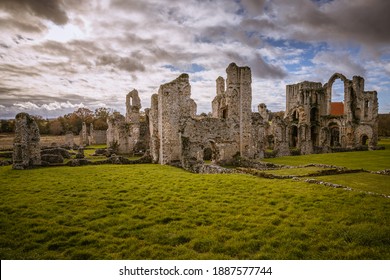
{"x": 100, "y": 152}
{"x": 84, "y": 140}
{"x": 78, "y": 162}
{"x": 129, "y": 135}
{"x": 69, "y": 139}
{"x": 80, "y": 153}
{"x": 56, "y": 151}
{"x": 5, "y": 162}
{"x": 177, "y": 136}
{"x": 172, "y": 105}
{"x": 314, "y": 126}
{"x": 27, "y": 150}
{"x": 52, "y": 158}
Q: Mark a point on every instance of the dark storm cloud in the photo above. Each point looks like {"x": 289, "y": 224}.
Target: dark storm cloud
{"x": 360, "y": 21}
{"x": 253, "y": 7}
{"x": 52, "y": 10}
{"x": 123, "y": 63}
{"x": 7, "y": 90}
{"x": 10, "y": 96}
{"x": 19, "y": 24}
{"x": 260, "y": 68}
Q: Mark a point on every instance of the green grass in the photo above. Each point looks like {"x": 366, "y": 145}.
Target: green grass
{"x": 296, "y": 171}
{"x": 369, "y": 160}
{"x": 361, "y": 181}
{"x": 161, "y": 212}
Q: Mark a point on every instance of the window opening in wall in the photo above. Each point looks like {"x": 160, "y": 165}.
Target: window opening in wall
{"x": 295, "y": 116}
{"x": 314, "y": 136}
{"x": 338, "y": 91}
{"x": 366, "y": 107}
{"x": 334, "y": 136}
{"x": 294, "y": 137}
{"x": 314, "y": 116}
{"x": 224, "y": 113}
{"x": 337, "y": 98}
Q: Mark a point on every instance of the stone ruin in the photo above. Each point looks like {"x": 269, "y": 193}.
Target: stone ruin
{"x": 27, "y": 149}
{"x": 316, "y": 124}
{"x": 91, "y": 136}
{"x": 171, "y": 132}
{"x": 312, "y": 123}
{"x": 129, "y": 134}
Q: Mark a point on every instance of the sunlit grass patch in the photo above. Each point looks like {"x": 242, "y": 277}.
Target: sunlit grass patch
{"x": 296, "y": 171}
{"x": 368, "y": 182}
{"x": 160, "y": 212}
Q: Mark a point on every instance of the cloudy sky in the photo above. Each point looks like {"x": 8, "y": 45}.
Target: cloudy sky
{"x": 59, "y": 55}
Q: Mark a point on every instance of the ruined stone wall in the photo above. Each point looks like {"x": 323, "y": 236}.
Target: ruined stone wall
{"x": 123, "y": 136}
{"x": 173, "y": 133}
{"x": 69, "y": 139}
{"x": 133, "y": 106}
{"x": 234, "y": 103}
{"x": 218, "y": 136}
{"x": 154, "y": 145}
{"x": 27, "y": 150}
{"x": 84, "y": 139}
{"x": 174, "y": 104}
{"x": 124, "y": 133}
{"x": 312, "y": 128}
{"x": 98, "y": 137}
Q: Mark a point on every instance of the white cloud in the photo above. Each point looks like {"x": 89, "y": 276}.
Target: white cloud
{"x": 94, "y": 52}
{"x": 49, "y": 107}
{"x": 26, "y": 105}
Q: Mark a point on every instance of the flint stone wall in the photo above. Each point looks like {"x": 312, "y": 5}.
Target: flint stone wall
{"x": 27, "y": 149}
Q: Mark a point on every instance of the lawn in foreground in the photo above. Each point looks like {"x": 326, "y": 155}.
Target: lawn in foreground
{"x": 161, "y": 212}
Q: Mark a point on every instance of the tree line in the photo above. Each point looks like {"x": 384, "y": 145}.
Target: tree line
{"x": 73, "y": 122}
{"x": 69, "y": 122}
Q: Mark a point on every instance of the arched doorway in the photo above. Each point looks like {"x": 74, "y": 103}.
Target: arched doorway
{"x": 364, "y": 140}
{"x": 207, "y": 154}
{"x": 211, "y": 151}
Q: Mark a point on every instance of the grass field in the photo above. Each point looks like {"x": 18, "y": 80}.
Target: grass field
{"x": 7, "y": 139}
{"x": 369, "y": 160}
{"x": 161, "y": 212}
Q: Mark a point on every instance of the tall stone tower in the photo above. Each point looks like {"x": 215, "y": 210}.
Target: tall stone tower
{"x": 235, "y": 103}
{"x": 27, "y": 149}
{"x": 133, "y": 106}
{"x": 170, "y": 106}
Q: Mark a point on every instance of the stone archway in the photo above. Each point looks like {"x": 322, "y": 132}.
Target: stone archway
{"x": 329, "y": 92}
{"x": 211, "y": 151}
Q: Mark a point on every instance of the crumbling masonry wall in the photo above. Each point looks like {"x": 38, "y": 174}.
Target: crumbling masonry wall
{"x": 314, "y": 124}
{"x": 129, "y": 135}
{"x": 170, "y": 106}
{"x": 27, "y": 150}
{"x": 176, "y": 135}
